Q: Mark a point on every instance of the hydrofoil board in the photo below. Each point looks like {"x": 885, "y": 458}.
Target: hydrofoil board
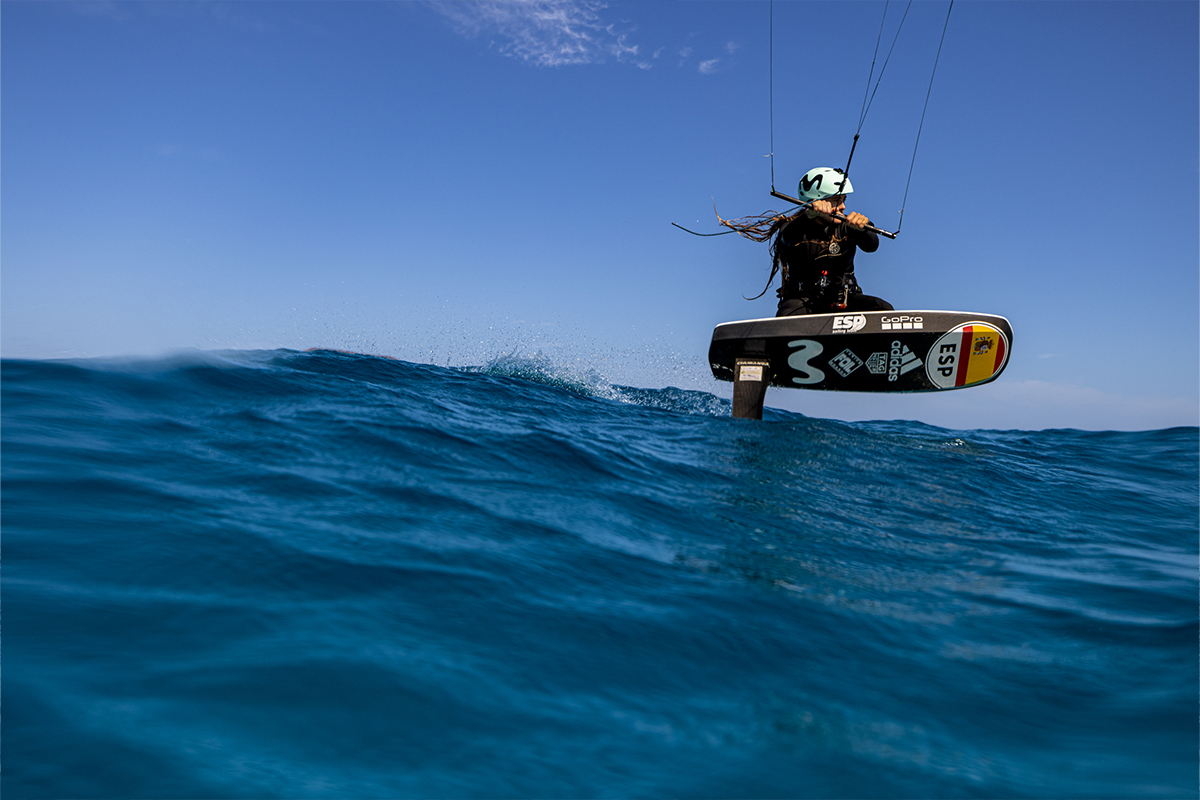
{"x": 873, "y": 351}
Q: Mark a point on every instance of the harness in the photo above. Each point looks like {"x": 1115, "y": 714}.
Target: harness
{"x": 831, "y": 290}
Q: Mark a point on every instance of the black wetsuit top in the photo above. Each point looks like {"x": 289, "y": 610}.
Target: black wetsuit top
{"x": 819, "y": 257}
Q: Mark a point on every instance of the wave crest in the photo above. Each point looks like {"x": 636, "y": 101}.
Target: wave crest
{"x": 588, "y": 382}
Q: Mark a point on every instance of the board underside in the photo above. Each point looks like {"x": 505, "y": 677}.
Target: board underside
{"x": 874, "y": 351}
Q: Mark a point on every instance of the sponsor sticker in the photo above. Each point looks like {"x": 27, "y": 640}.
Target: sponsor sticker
{"x": 877, "y": 363}
{"x": 750, "y": 372}
{"x": 845, "y": 362}
{"x": 971, "y": 353}
{"x": 802, "y": 351}
{"x": 849, "y": 323}
{"x": 901, "y": 361}
{"x": 902, "y": 322}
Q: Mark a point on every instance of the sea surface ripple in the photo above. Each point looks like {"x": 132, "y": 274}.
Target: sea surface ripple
{"x": 283, "y": 574}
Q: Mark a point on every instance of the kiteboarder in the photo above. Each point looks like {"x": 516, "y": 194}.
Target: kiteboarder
{"x": 815, "y": 251}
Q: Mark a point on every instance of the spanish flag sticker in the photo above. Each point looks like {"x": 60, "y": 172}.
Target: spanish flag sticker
{"x": 969, "y": 354}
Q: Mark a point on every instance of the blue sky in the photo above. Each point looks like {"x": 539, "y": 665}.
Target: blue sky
{"x": 446, "y": 183}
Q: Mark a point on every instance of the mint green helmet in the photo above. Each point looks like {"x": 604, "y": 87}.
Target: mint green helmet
{"x": 822, "y": 182}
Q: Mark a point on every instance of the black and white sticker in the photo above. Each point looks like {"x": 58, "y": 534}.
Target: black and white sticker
{"x": 877, "y": 363}
{"x": 902, "y": 322}
{"x": 901, "y": 361}
{"x": 849, "y": 323}
{"x": 845, "y": 362}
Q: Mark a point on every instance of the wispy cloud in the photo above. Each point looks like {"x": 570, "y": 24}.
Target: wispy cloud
{"x": 709, "y": 67}
{"x": 547, "y": 33}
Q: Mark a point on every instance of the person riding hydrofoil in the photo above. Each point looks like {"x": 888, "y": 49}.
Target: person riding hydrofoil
{"x": 815, "y": 251}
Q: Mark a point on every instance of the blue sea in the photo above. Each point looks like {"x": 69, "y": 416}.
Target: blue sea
{"x": 286, "y": 574}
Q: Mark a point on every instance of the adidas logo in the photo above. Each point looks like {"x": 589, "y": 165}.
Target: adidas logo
{"x": 901, "y": 360}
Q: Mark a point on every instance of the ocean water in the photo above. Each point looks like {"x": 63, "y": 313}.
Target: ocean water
{"x": 284, "y": 574}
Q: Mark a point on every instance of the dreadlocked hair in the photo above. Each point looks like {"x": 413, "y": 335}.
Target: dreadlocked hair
{"x": 760, "y": 228}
